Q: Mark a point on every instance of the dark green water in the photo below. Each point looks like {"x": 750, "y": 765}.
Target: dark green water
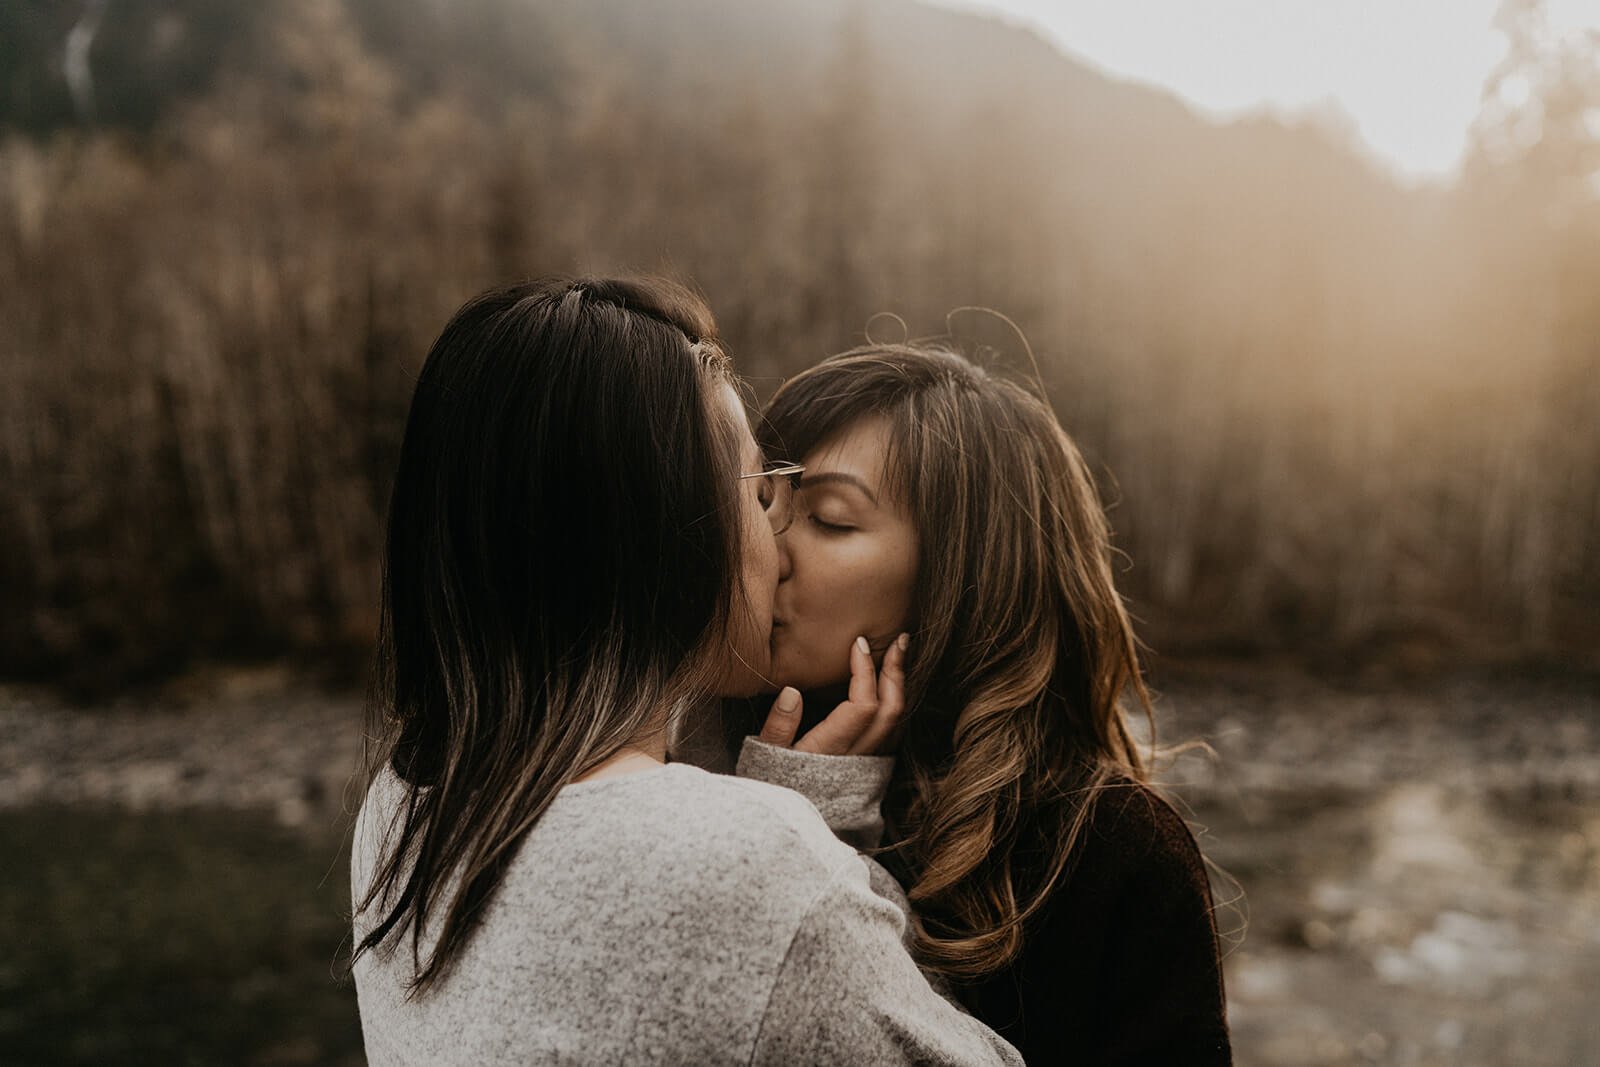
{"x": 1417, "y": 923}
{"x": 172, "y": 938}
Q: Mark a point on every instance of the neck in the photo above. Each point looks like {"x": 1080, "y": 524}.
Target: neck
{"x": 820, "y": 702}
{"x": 647, "y": 755}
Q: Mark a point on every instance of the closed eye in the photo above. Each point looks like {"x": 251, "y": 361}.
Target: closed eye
{"x": 830, "y": 527}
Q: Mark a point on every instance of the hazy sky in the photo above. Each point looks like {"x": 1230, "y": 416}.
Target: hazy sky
{"x": 1408, "y": 73}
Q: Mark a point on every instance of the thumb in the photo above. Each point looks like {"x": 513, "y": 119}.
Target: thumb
{"x": 783, "y": 721}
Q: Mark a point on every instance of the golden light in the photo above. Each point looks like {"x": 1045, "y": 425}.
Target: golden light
{"x": 1405, "y": 77}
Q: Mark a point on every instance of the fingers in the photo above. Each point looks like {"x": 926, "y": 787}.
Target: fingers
{"x": 783, "y": 721}
{"x": 870, "y": 719}
{"x": 863, "y": 678}
{"x": 838, "y": 734}
{"x": 884, "y": 732}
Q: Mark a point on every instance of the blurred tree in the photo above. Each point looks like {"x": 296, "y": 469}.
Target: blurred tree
{"x": 1540, "y": 118}
{"x": 1332, "y": 407}
{"x": 843, "y": 195}
{"x": 143, "y": 57}
{"x": 1532, "y": 179}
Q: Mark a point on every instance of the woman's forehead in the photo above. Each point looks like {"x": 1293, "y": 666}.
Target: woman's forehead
{"x": 859, "y": 452}
{"x": 859, "y": 447}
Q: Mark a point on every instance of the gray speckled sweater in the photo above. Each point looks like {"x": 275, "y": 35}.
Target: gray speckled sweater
{"x": 670, "y": 916}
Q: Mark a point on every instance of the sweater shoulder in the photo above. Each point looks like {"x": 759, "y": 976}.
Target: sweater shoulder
{"x": 1135, "y": 833}
{"x": 709, "y": 828}
{"x": 688, "y": 830}
{"x": 749, "y": 808}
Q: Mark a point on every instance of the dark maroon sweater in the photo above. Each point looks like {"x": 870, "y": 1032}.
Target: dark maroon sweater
{"x": 1121, "y": 966}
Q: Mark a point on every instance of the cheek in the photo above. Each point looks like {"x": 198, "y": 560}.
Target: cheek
{"x": 835, "y": 593}
{"x": 859, "y": 588}
{"x": 760, "y": 560}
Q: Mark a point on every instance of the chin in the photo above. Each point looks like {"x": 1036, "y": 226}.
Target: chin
{"x": 747, "y": 679}
{"x": 794, "y": 665}
{"x": 749, "y": 686}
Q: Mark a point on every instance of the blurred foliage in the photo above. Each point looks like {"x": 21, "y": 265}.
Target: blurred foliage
{"x": 144, "y": 57}
{"x": 1333, "y": 415}
{"x": 192, "y": 938}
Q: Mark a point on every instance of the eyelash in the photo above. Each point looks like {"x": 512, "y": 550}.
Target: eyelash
{"x": 829, "y": 527}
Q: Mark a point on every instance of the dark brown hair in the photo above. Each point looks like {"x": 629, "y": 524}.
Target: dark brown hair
{"x": 1022, "y": 650}
{"x": 563, "y": 549}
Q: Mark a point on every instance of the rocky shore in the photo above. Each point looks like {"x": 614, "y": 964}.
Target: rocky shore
{"x": 1409, "y": 872}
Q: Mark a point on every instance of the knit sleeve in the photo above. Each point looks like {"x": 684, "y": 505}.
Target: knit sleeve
{"x": 847, "y": 992}
{"x": 847, "y": 791}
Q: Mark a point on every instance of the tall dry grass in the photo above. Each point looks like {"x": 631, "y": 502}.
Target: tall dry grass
{"x": 1332, "y": 416}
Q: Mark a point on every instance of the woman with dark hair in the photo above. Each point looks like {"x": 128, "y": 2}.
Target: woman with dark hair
{"x": 1067, "y": 902}
{"x": 577, "y": 549}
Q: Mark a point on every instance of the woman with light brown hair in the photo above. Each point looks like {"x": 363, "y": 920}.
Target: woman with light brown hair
{"x": 579, "y": 549}
{"x": 946, "y": 518}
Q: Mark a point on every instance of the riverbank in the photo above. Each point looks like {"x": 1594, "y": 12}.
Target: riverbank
{"x": 1409, "y": 870}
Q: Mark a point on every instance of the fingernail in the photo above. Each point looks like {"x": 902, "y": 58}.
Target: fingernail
{"x": 903, "y": 642}
{"x": 862, "y": 646}
{"x": 788, "y": 699}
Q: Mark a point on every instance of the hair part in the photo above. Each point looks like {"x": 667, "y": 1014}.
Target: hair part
{"x": 1022, "y": 651}
{"x": 562, "y": 555}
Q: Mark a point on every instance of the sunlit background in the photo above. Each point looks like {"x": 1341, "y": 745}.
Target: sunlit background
{"x": 1406, "y": 77}
{"x": 1316, "y": 286}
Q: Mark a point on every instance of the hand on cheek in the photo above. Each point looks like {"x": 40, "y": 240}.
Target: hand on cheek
{"x": 867, "y": 723}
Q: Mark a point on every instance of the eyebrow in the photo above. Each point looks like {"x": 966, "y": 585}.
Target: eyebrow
{"x": 827, "y": 477}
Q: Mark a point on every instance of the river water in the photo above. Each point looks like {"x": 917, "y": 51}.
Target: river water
{"x": 1419, "y": 867}
{"x": 1408, "y": 870}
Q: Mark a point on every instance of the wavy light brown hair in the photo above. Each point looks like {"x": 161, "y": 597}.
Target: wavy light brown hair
{"x": 562, "y": 560}
{"x": 1022, "y": 652}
